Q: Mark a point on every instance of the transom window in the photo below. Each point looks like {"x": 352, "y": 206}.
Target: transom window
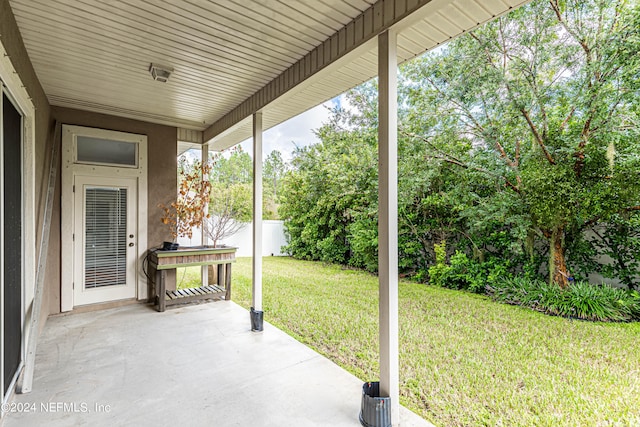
{"x": 91, "y": 150}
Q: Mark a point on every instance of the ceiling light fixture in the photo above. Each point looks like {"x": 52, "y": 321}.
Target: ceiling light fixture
{"x": 160, "y": 73}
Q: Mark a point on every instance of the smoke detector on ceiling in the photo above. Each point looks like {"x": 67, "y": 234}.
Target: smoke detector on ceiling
{"x": 160, "y": 73}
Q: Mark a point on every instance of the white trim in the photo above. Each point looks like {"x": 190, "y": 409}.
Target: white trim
{"x": 2, "y": 396}
{"x": 204, "y": 239}
{"x": 388, "y": 219}
{"x": 256, "y": 301}
{"x": 69, "y": 170}
{"x": 19, "y": 96}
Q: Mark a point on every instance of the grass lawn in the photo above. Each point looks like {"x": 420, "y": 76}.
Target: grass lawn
{"x": 464, "y": 360}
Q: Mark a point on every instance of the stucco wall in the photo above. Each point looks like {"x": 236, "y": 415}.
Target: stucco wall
{"x": 14, "y": 46}
{"x": 162, "y": 162}
{"x": 161, "y": 158}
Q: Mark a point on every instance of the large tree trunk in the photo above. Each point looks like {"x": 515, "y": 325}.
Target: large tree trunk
{"x": 557, "y": 262}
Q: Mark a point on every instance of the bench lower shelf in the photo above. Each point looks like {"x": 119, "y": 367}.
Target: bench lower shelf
{"x": 165, "y": 298}
{"x": 193, "y": 294}
{"x": 183, "y": 296}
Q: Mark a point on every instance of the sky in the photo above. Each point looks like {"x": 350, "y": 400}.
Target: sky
{"x": 295, "y": 132}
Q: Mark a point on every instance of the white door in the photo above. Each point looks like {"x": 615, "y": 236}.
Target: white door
{"x": 105, "y": 239}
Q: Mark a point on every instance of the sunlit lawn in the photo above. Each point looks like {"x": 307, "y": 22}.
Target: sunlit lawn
{"x": 465, "y": 360}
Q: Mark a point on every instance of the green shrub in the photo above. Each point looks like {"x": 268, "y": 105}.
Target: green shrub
{"x": 363, "y": 237}
{"x": 465, "y": 273}
{"x": 581, "y": 300}
{"x": 438, "y": 273}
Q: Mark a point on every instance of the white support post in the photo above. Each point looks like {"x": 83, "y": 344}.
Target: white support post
{"x": 204, "y": 272}
{"x": 388, "y": 219}
{"x": 256, "y": 306}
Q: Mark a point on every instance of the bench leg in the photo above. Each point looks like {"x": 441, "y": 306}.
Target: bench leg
{"x": 220, "y": 274}
{"x": 162, "y": 276}
{"x": 227, "y": 282}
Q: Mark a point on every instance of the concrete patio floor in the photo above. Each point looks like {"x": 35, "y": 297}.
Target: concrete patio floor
{"x": 196, "y": 365}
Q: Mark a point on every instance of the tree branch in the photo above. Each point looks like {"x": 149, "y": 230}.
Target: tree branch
{"x": 556, "y": 8}
{"x": 566, "y": 120}
{"x": 433, "y": 147}
{"x": 446, "y": 157}
{"x": 503, "y": 154}
{"x": 524, "y": 112}
{"x": 539, "y": 140}
{"x": 595, "y": 219}
{"x": 461, "y": 107}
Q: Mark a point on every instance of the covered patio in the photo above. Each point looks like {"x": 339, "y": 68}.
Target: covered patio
{"x": 195, "y": 365}
{"x": 157, "y": 77}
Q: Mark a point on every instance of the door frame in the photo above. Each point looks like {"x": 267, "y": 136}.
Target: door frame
{"x": 12, "y": 86}
{"x": 71, "y": 168}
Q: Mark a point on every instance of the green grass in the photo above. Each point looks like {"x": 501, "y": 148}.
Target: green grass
{"x": 187, "y": 277}
{"x": 464, "y": 359}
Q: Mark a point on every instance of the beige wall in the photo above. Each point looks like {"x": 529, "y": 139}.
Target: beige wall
{"x": 13, "y": 45}
{"x": 162, "y": 163}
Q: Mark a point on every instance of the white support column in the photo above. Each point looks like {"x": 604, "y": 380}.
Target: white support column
{"x": 388, "y": 219}
{"x": 256, "y": 306}
{"x": 204, "y": 272}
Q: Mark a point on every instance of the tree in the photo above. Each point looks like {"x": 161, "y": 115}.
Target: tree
{"x": 328, "y": 189}
{"x": 544, "y": 99}
{"x": 272, "y": 174}
{"x": 515, "y": 141}
{"x": 189, "y": 209}
{"x": 214, "y": 195}
{"x": 235, "y": 168}
{"x": 229, "y": 211}
{"x": 230, "y": 205}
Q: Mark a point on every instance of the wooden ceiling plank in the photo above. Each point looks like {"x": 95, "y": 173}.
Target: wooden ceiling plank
{"x": 412, "y": 40}
{"x": 220, "y": 30}
{"x": 422, "y": 29}
{"x": 458, "y": 18}
{"x": 473, "y": 9}
{"x": 139, "y": 98}
{"x": 66, "y": 44}
{"x": 109, "y": 60}
{"x": 134, "y": 43}
{"x": 324, "y": 14}
{"x": 122, "y": 112}
{"x": 343, "y": 7}
{"x": 246, "y": 16}
{"x": 285, "y": 14}
{"x": 160, "y": 26}
{"x": 495, "y": 7}
{"x": 438, "y": 20}
{"x": 361, "y": 5}
{"x": 198, "y": 91}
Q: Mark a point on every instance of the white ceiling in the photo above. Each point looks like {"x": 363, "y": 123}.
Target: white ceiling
{"x": 95, "y": 55}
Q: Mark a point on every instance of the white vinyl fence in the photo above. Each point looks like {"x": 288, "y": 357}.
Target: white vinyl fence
{"x": 273, "y": 239}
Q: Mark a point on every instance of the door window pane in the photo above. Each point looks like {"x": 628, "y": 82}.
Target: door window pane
{"x": 105, "y": 237}
{"x": 106, "y": 151}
